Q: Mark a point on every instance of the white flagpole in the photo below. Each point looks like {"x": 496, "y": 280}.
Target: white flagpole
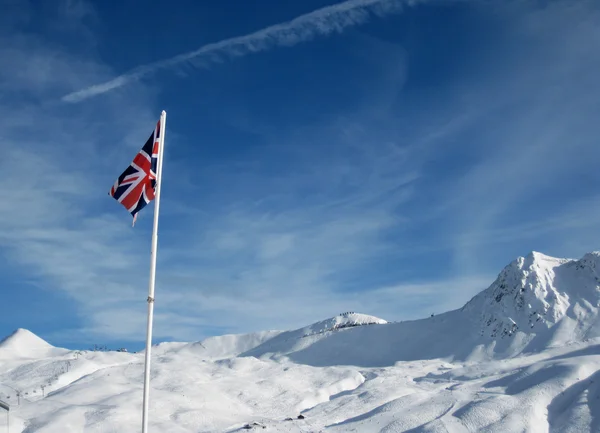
{"x": 163, "y": 121}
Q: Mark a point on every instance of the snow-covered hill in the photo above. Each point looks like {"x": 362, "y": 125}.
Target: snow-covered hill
{"x": 25, "y": 344}
{"x": 523, "y": 355}
{"x": 293, "y": 341}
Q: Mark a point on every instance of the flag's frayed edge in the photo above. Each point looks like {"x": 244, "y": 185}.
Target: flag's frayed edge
{"x": 324, "y": 21}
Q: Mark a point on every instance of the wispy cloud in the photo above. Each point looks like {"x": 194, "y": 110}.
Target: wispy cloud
{"x": 324, "y": 21}
{"x": 364, "y": 210}
{"x": 56, "y": 167}
{"x": 268, "y": 252}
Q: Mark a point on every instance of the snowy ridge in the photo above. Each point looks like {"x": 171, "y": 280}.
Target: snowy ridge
{"x": 536, "y": 302}
{"x": 293, "y": 341}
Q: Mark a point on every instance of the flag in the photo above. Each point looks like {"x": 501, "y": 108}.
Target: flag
{"x": 136, "y": 186}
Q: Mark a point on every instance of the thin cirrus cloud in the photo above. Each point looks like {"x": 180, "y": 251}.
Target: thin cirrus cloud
{"x": 331, "y": 19}
{"x": 366, "y": 225}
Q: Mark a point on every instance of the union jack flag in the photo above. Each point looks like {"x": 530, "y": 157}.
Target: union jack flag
{"x": 135, "y": 188}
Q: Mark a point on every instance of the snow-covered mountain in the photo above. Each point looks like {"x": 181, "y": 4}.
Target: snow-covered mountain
{"x": 522, "y": 355}
{"x": 536, "y": 293}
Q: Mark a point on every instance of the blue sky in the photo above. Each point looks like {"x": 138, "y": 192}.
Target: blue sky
{"x": 381, "y": 156}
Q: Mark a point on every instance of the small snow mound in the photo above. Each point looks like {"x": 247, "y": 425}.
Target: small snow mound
{"x": 25, "y": 344}
{"x": 344, "y": 320}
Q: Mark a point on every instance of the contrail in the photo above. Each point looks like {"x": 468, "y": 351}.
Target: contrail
{"x": 324, "y": 21}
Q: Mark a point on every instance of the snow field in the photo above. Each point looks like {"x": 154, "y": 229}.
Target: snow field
{"x": 522, "y": 356}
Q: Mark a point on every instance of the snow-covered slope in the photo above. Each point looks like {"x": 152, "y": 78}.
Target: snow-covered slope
{"x": 223, "y": 346}
{"x": 292, "y": 341}
{"x": 536, "y": 327}
{"x": 553, "y": 391}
